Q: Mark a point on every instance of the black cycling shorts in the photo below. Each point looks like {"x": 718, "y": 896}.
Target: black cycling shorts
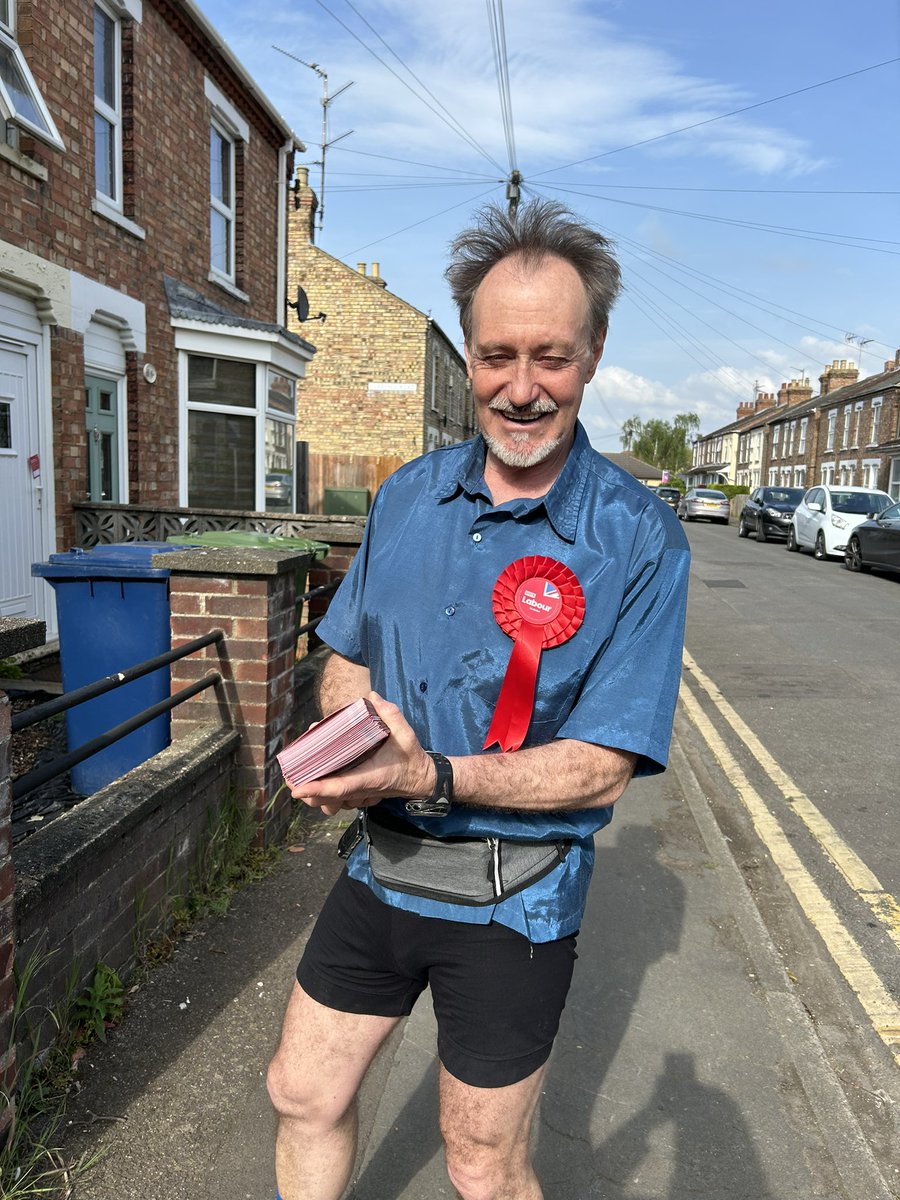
{"x": 497, "y": 997}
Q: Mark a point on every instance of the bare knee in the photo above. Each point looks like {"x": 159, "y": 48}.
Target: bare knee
{"x": 305, "y": 1096}
{"x": 481, "y": 1170}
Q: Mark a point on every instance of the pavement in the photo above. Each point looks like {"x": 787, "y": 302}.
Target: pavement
{"x": 686, "y": 1067}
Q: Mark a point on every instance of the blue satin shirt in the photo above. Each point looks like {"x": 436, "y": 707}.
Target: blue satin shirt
{"x": 415, "y": 608}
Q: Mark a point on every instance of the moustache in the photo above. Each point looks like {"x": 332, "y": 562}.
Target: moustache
{"x": 535, "y": 408}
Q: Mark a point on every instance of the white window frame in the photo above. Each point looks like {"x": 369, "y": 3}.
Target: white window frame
{"x": 857, "y": 422}
{"x": 800, "y": 477}
{"x": 847, "y": 470}
{"x": 226, "y": 211}
{"x": 776, "y": 440}
{"x": 8, "y": 111}
{"x": 876, "y": 420}
{"x": 230, "y": 125}
{"x": 870, "y": 469}
{"x": 827, "y": 474}
{"x": 832, "y": 429}
{"x": 773, "y": 476}
{"x": 801, "y": 448}
{"x": 848, "y": 409}
{"x": 265, "y": 349}
{"x": 113, "y": 116}
{"x": 894, "y": 482}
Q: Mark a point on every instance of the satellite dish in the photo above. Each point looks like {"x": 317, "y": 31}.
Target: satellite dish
{"x": 301, "y": 308}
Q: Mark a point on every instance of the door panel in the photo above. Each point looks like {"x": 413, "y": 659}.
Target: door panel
{"x": 21, "y": 541}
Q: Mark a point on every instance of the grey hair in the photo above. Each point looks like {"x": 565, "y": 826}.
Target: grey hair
{"x": 540, "y": 228}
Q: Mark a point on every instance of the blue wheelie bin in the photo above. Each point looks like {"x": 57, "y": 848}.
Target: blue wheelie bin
{"x": 113, "y": 610}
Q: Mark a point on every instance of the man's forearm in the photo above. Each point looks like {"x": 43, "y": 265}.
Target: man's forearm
{"x": 341, "y": 682}
{"x": 562, "y": 775}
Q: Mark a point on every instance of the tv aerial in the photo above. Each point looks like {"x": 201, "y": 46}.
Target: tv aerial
{"x": 325, "y": 144}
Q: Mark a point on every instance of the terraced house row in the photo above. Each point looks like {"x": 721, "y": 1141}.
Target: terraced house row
{"x": 848, "y": 434}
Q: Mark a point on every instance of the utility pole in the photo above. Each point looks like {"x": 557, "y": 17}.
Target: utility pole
{"x": 325, "y": 144}
{"x": 513, "y": 192}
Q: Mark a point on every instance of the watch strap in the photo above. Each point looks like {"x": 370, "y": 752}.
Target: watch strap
{"x": 438, "y": 803}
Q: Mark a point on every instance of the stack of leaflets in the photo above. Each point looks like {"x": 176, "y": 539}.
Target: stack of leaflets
{"x": 338, "y": 741}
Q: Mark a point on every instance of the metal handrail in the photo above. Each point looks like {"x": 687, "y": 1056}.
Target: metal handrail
{"x": 50, "y": 708}
{"x": 27, "y": 783}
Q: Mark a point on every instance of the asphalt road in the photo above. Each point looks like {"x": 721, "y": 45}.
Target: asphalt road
{"x": 790, "y": 705}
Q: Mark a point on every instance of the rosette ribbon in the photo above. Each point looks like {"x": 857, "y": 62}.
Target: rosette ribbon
{"x": 539, "y": 603}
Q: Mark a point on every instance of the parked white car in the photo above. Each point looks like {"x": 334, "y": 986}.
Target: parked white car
{"x": 827, "y": 515}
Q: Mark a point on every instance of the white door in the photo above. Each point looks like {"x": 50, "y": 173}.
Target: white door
{"x": 21, "y": 490}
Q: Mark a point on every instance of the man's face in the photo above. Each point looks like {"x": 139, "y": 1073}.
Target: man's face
{"x": 530, "y": 356}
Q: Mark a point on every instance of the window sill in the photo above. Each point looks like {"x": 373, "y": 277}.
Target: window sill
{"x": 228, "y": 287}
{"x": 112, "y": 214}
{"x": 23, "y": 162}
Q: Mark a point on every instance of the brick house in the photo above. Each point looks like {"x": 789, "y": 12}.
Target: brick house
{"x": 735, "y": 453}
{"x": 387, "y": 383}
{"x": 143, "y": 359}
{"x": 848, "y": 434}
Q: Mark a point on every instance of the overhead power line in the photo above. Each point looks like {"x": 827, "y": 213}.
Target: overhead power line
{"x": 415, "y": 224}
{"x": 721, "y": 117}
{"x": 448, "y": 120}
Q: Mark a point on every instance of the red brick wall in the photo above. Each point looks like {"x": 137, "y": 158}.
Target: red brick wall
{"x": 166, "y": 161}
{"x": 7, "y": 928}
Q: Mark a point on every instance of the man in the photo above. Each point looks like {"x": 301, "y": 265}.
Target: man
{"x": 415, "y": 628}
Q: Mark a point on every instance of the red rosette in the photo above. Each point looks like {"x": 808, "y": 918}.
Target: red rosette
{"x": 539, "y": 603}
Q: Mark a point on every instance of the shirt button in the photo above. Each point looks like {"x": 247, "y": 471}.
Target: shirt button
{"x": 449, "y": 610}
{"x": 476, "y": 537}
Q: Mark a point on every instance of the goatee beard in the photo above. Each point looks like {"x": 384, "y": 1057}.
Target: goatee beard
{"x": 528, "y": 456}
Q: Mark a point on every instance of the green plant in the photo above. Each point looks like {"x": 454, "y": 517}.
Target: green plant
{"x": 101, "y": 1005}
{"x": 10, "y": 669}
{"x": 31, "y": 1165}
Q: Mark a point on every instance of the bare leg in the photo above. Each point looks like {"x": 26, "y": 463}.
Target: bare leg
{"x": 313, "y": 1080}
{"x": 486, "y": 1134}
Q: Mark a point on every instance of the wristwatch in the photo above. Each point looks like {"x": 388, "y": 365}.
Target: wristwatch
{"x": 438, "y": 803}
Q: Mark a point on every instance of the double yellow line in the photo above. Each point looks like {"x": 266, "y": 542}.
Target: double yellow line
{"x": 881, "y": 1009}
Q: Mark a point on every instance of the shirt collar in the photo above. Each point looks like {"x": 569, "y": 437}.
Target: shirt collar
{"x": 562, "y": 503}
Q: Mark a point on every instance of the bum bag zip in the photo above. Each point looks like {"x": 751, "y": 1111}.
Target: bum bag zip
{"x": 497, "y": 881}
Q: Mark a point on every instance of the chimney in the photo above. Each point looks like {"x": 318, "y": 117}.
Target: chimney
{"x": 794, "y": 392}
{"x": 302, "y": 214}
{"x": 764, "y": 400}
{"x": 893, "y": 365}
{"x": 361, "y": 267}
{"x": 376, "y": 275}
{"x": 838, "y": 375}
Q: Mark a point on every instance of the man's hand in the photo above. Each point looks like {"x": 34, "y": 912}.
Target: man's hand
{"x": 398, "y": 767}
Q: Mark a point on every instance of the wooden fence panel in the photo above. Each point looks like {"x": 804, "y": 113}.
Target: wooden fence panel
{"x": 348, "y": 470}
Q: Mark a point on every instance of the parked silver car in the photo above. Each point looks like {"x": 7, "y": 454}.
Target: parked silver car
{"x": 708, "y": 503}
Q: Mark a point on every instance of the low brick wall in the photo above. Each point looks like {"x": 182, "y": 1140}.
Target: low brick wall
{"x": 91, "y": 885}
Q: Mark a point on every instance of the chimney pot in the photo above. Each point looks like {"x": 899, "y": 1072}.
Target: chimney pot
{"x": 361, "y": 267}
{"x": 303, "y": 176}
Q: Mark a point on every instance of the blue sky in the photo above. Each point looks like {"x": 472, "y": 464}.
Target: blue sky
{"x": 585, "y": 81}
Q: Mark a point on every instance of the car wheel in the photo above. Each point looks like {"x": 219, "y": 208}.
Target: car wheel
{"x": 792, "y": 544}
{"x": 853, "y": 556}
{"x": 819, "y": 552}
{"x": 761, "y": 535}
{"x": 725, "y": 521}
{"x": 743, "y": 531}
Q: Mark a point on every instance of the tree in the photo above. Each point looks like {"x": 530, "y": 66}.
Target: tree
{"x": 631, "y": 430}
{"x": 665, "y": 444}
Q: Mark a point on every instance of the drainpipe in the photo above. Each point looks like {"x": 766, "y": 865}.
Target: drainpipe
{"x": 281, "y": 275}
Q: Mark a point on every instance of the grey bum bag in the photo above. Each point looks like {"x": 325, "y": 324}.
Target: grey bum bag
{"x": 459, "y": 870}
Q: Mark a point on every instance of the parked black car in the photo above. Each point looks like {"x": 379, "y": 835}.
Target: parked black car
{"x": 671, "y": 495}
{"x": 875, "y": 543}
{"x": 767, "y": 512}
